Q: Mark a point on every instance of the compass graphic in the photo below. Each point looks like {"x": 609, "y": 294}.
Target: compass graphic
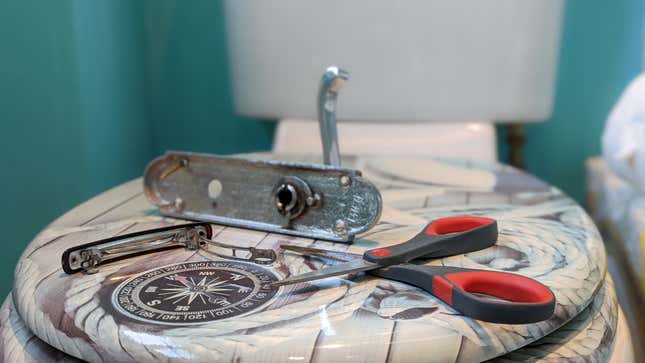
{"x": 195, "y": 292}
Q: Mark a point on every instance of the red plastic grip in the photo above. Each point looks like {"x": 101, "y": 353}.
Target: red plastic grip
{"x": 380, "y": 252}
{"x": 507, "y": 286}
{"x": 456, "y": 224}
{"x": 442, "y": 289}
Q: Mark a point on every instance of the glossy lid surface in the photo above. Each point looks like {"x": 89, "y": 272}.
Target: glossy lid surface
{"x": 148, "y": 307}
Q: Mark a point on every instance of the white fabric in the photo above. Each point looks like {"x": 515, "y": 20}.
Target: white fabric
{"x": 612, "y": 200}
{"x": 623, "y": 140}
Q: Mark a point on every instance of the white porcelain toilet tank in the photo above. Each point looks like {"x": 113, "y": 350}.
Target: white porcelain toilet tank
{"x": 412, "y": 60}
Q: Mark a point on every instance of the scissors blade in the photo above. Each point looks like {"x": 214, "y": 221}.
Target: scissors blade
{"x": 339, "y": 256}
{"x": 358, "y": 265}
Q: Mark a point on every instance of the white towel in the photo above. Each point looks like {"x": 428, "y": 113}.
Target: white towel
{"x": 623, "y": 140}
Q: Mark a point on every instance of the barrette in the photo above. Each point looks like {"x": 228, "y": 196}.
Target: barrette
{"x": 193, "y": 236}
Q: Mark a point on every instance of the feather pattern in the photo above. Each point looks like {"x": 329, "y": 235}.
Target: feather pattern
{"x": 543, "y": 234}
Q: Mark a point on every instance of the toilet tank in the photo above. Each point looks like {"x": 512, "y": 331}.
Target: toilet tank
{"x": 412, "y": 60}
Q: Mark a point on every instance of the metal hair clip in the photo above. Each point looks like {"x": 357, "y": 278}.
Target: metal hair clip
{"x": 192, "y": 236}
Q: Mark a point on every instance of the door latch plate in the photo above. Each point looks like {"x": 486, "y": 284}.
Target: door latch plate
{"x": 309, "y": 200}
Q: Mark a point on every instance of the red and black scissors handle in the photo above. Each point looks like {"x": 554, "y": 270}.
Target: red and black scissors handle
{"x": 440, "y": 238}
{"x": 519, "y": 299}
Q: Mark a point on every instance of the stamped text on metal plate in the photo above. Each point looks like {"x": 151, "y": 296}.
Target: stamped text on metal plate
{"x": 309, "y": 200}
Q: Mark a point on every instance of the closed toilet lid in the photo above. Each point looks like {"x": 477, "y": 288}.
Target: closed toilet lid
{"x": 589, "y": 336}
{"x": 124, "y": 313}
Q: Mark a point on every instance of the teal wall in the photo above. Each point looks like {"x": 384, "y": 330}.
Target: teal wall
{"x": 601, "y": 52}
{"x": 91, "y": 90}
{"x": 44, "y": 168}
{"x": 188, "y": 86}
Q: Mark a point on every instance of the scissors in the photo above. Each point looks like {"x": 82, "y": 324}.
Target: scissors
{"x": 493, "y": 296}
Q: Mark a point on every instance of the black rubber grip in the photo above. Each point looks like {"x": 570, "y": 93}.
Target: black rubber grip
{"x": 443, "y": 237}
{"x": 519, "y": 299}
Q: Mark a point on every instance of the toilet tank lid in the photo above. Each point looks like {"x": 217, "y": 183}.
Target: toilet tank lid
{"x": 420, "y": 60}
